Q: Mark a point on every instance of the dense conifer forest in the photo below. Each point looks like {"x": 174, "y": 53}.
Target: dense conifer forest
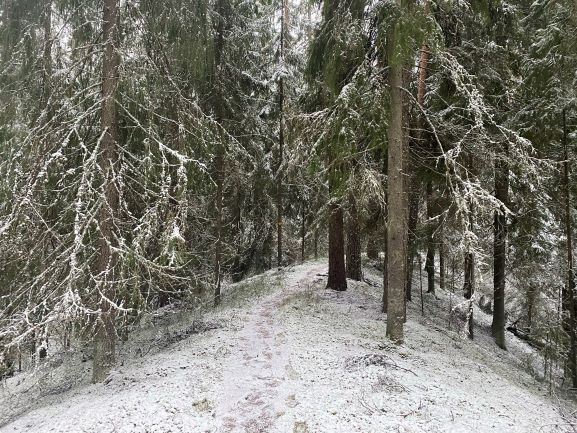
{"x": 165, "y": 156}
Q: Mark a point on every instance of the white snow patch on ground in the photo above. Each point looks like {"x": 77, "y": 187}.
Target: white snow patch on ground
{"x": 294, "y": 357}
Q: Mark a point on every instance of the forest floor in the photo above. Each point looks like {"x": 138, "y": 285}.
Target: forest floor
{"x": 283, "y": 354}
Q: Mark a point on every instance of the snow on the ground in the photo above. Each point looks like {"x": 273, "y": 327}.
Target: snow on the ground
{"x": 291, "y": 356}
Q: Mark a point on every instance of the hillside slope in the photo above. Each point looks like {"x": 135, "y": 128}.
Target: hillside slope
{"x": 289, "y": 356}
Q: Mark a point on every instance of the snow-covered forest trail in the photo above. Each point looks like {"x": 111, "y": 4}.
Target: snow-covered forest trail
{"x": 253, "y": 388}
{"x": 289, "y": 356}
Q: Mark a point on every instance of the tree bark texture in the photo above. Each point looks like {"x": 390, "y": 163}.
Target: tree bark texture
{"x": 220, "y": 169}
{"x": 500, "y": 253}
{"x": 396, "y": 199}
{"x": 337, "y": 275}
{"x": 430, "y": 260}
{"x": 105, "y": 332}
{"x": 354, "y": 264}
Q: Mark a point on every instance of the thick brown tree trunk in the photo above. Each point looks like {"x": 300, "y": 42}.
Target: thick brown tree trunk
{"x": 105, "y": 332}
{"x": 396, "y": 198}
{"x": 337, "y": 275}
{"x": 354, "y": 264}
{"x": 500, "y": 253}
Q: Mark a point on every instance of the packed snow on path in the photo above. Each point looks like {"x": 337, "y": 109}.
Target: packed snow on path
{"x": 283, "y": 354}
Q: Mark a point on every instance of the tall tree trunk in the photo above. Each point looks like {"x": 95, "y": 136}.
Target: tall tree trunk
{"x": 430, "y": 260}
{"x": 372, "y": 247}
{"x": 354, "y": 264}
{"x": 470, "y": 320}
{"x": 442, "y": 267}
{"x": 408, "y": 172}
{"x": 531, "y": 294}
{"x": 337, "y": 277}
{"x": 316, "y": 243}
{"x": 412, "y": 231}
{"x": 241, "y": 260}
{"x": 220, "y": 173}
{"x": 46, "y": 140}
{"x": 396, "y": 200}
{"x": 421, "y": 92}
{"x": 568, "y": 301}
{"x": 105, "y": 332}
{"x": 469, "y": 283}
{"x": 386, "y": 263}
{"x": 500, "y": 252}
{"x": 220, "y": 8}
{"x": 469, "y": 280}
{"x": 259, "y": 202}
{"x": 269, "y": 243}
{"x": 279, "y": 175}
{"x": 468, "y": 288}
